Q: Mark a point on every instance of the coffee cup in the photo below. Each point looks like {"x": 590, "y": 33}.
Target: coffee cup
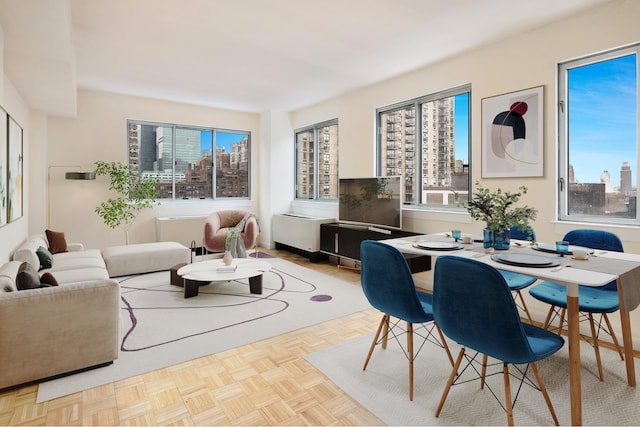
{"x": 580, "y": 253}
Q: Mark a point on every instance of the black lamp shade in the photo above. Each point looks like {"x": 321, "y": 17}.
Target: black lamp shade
{"x": 80, "y": 175}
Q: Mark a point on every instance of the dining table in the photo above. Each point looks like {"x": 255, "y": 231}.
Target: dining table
{"x": 600, "y": 268}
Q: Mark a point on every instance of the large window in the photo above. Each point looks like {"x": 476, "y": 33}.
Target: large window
{"x": 426, "y": 142}
{"x": 598, "y": 138}
{"x": 191, "y": 162}
{"x": 317, "y": 161}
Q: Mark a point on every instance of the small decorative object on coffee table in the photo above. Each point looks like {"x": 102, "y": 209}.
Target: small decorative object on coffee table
{"x": 205, "y": 272}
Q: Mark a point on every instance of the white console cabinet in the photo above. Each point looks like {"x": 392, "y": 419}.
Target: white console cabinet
{"x": 300, "y": 232}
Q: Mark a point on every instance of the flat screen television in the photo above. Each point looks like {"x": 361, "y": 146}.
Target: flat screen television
{"x": 371, "y": 201}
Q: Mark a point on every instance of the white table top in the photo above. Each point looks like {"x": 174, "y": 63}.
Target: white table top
{"x": 208, "y": 270}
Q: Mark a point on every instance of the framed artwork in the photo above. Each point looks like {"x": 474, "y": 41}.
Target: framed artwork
{"x": 4, "y": 152}
{"x": 512, "y": 134}
{"x": 14, "y": 204}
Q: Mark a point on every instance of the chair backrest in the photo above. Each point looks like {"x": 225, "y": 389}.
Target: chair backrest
{"x": 526, "y": 233}
{"x": 596, "y": 239}
{"x": 472, "y": 304}
{"x": 388, "y": 284}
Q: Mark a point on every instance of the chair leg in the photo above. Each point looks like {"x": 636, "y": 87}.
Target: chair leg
{"x": 613, "y": 336}
{"x": 483, "y": 375}
{"x": 385, "y": 336}
{"x": 444, "y": 344}
{"x": 452, "y": 377}
{"x": 507, "y": 394}
{"x": 547, "y": 321}
{"x": 383, "y": 322}
{"x": 543, "y": 390}
{"x": 596, "y": 348}
{"x": 524, "y": 306}
{"x": 563, "y": 312}
{"x": 410, "y": 353}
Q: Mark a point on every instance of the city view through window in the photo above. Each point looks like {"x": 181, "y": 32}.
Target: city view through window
{"x": 190, "y": 162}
{"x": 601, "y": 138}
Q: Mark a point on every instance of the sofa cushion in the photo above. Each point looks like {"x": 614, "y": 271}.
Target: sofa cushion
{"x": 27, "y": 277}
{"x": 57, "y": 241}
{"x": 48, "y": 279}
{"x": 45, "y": 257}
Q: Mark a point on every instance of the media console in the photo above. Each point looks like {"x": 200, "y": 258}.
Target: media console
{"x": 343, "y": 241}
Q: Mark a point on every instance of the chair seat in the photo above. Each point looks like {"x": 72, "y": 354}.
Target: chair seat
{"x": 517, "y": 281}
{"x": 590, "y": 299}
{"x": 426, "y": 300}
{"x": 543, "y": 342}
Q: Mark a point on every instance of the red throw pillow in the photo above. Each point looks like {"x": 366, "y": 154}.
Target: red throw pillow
{"x": 57, "y": 242}
{"x": 47, "y": 278}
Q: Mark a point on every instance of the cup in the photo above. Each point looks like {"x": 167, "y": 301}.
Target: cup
{"x": 580, "y": 254}
{"x": 562, "y": 247}
{"x": 456, "y": 234}
{"x": 467, "y": 239}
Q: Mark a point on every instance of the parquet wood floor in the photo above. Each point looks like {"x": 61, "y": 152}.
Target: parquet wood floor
{"x": 264, "y": 383}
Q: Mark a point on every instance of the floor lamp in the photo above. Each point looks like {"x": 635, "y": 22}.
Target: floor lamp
{"x": 79, "y": 174}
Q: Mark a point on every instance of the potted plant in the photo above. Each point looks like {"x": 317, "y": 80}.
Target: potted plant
{"x": 497, "y": 209}
{"x": 134, "y": 195}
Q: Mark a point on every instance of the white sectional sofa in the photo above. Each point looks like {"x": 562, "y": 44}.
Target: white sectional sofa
{"x": 56, "y": 330}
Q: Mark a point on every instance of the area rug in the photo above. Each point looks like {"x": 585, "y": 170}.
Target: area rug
{"x": 383, "y": 388}
{"x": 161, "y": 328}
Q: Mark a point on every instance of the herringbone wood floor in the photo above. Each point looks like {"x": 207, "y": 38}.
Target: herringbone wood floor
{"x": 264, "y": 383}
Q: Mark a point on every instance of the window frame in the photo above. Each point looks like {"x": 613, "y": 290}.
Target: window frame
{"x": 321, "y": 162}
{"x": 418, "y": 160}
{"x": 175, "y": 126}
{"x": 563, "y": 169}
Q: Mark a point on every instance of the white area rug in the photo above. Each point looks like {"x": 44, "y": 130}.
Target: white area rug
{"x": 160, "y": 328}
{"x": 384, "y": 388}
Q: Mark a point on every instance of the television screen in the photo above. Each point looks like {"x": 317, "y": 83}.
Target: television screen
{"x": 371, "y": 201}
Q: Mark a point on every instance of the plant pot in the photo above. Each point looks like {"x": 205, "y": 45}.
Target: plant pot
{"x": 499, "y": 239}
{"x": 227, "y": 259}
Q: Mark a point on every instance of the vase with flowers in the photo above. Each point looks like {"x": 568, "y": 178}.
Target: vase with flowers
{"x": 499, "y": 211}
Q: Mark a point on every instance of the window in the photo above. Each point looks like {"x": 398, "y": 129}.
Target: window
{"x": 598, "y": 138}
{"x": 426, "y": 142}
{"x": 313, "y": 171}
{"x": 190, "y": 162}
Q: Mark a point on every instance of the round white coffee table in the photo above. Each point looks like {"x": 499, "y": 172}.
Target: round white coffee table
{"x": 204, "y": 272}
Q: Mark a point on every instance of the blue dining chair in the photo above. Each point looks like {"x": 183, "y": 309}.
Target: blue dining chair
{"x": 601, "y": 300}
{"x": 473, "y": 306}
{"x": 516, "y": 281}
{"x": 389, "y": 287}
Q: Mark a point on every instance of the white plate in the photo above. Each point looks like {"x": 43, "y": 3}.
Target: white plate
{"x": 525, "y": 260}
{"x": 551, "y": 248}
{"x": 439, "y": 246}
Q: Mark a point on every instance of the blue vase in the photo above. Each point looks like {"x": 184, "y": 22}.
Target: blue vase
{"x": 499, "y": 239}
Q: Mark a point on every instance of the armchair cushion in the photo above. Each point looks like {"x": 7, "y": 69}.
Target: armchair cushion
{"x": 218, "y": 225}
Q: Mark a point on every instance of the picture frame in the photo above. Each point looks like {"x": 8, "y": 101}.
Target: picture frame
{"x": 512, "y": 134}
{"x": 4, "y": 173}
{"x": 15, "y": 176}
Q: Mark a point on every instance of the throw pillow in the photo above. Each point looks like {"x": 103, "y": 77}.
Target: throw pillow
{"x": 57, "y": 242}
{"x": 27, "y": 277}
{"x": 45, "y": 257}
{"x": 48, "y": 279}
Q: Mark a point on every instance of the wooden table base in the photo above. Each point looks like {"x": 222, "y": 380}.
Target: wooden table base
{"x": 191, "y": 286}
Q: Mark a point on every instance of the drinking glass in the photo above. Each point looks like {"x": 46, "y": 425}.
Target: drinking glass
{"x": 562, "y": 247}
{"x": 456, "y": 234}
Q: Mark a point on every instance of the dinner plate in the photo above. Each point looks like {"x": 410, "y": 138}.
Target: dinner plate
{"x": 439, "y": 246}
{"x": 551, "y": 248}
{"x": 526, "y": 260}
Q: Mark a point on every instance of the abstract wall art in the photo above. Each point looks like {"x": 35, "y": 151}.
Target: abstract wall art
{"x": 14, "y": 203}
{"x": 512, "y": 134}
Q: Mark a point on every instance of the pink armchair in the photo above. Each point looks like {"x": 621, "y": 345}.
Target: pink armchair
{"x": 217, "y": 226}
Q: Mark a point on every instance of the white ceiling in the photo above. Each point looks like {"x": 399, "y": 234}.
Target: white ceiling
{"x": 249, "y": 55}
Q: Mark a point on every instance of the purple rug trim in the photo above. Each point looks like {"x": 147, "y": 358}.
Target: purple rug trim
{"x": 259, "y": 254}
{"x": 268, "y": 294}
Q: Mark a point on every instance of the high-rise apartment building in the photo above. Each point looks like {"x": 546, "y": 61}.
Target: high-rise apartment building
{"x": 625, "y": 179}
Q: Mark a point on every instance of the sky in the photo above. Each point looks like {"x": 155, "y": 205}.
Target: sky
{"x": 461, "y": 127}
{"x": 223, "y": 139}
{"x": 602, "y": 119}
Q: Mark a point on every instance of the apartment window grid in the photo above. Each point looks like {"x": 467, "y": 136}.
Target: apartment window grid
{"x": 191, "y": 162}
{"x": 598, "y": 138}
{"x": 317, "y": 175}
{"x": 417, "y": 140}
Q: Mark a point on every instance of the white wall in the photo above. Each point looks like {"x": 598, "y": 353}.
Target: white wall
{"x": 99, "y": 132}
{"x": 516, "y": 63}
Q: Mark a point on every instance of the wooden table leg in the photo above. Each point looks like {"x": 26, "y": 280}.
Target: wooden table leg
{"x": 255, "y": 284}
{"x": 627, "y": 340}
{"x": 191, "y": 288}
{"x": 574, "y": 355}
